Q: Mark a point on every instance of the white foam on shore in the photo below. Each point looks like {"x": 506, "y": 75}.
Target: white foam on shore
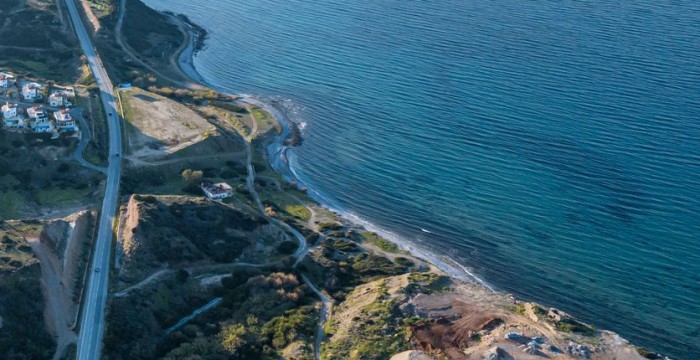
{"x": 283, "y": 163}
{"x": 444, "y": 263}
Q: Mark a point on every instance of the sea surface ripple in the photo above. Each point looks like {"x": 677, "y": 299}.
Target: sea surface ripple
{"x": 553, "y": 147}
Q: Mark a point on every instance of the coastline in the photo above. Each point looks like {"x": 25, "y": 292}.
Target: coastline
{"x": 278, "y": 158}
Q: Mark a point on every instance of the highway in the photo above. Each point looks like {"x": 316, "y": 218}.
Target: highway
{"x": 92, "y": 321}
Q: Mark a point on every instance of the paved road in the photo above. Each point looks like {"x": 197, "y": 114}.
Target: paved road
{"x": 92, "y": 318}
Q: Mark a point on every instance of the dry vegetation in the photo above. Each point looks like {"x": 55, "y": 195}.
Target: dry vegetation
{"x": 175, "y": 231}
{"x": 159, "y": 126}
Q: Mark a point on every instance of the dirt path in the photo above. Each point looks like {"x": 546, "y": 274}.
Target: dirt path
{"x": 301, "y": 252}
{"x": 140, "y": 162}
{"x": 58, "y": 300}
{"x": 325, "y": 314}
{"x": 155, "y": 276}
{"x": 253, "y": 128}
{"x": 192, "y": 270}
{"x": 129, "y": 51}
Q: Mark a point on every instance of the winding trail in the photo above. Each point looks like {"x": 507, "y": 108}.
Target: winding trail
{"x": 155, "y": 276}
{"x": 300, "y": 254}
{"x": 118, "y": 36}
{"x": 326, "y": 312}
{"x": 250, "y": 185}
{"x": 192, "y": 270}
{"x": 140, "y": 162}
{"x": 85, "y": 137}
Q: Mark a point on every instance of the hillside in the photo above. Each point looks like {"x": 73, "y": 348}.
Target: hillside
{"x": 179, "y": 231}
{"x": 46, "y": 180}
{"x": 141, "y": 48}
{"x": 42, "y": 264}
{"x": 36, "y": 36}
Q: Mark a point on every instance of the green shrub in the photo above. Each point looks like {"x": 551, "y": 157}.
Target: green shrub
{"x": 380, "y": 242}
{"x": 573, "y": 326}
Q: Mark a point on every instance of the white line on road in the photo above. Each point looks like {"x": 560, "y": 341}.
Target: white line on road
{"x": 92, "y": 321}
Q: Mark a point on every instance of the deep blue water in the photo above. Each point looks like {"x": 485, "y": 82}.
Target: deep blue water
{"x": 551, "y": 146}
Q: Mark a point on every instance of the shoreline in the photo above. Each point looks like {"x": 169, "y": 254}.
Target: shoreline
{"x": 276, "y": 153}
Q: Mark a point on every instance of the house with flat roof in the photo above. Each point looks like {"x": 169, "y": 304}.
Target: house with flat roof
{"x": 59, "y": 99}
{"x": 6, "y": 79}
{"x": 39, "y": 119}
{"x": 11, "y": 117}
{"x": 216, "y": 191}
{"x": 31, "y": 91}
{"x": 64, "y": 121}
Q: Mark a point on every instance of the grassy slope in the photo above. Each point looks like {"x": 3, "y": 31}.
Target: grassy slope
{"x": 44, "y": 179}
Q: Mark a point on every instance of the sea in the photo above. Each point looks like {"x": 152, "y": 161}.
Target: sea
{"x": 551, "y": 147}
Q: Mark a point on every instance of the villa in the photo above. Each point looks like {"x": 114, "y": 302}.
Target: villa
{"x": 216, "y": 191}
{"x": 6, "y": 80}
{"x": 64, "y": 120}
{"x": 58, "y": 99}
{"x": 10, "y": 116}
{"x": 36, "y": 111}
{"x": 39, "y": 119}
{"x": 31, "y": 91}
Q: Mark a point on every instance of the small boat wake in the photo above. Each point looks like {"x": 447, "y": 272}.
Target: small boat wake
{"x": 426, "y": 231}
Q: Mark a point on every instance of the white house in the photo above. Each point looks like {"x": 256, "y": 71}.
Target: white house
{"x": 39, "y": 120}
{"x": 64, "y": 120}
{"x": 59, "y": 99}
{"x": 36, "y": 111}
{"x": 31, "y": 91}
{"x": 9, "y": 110}
{"x": 6, "y": 79}
{"x": 217, "y": 191}
{"x": 41, "y": 125}
{"x": 10, "y": 116}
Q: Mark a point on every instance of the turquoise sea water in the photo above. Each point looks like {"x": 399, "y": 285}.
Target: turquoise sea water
{"x": 553, "y": 147}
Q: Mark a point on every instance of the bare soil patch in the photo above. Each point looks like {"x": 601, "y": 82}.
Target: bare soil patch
{"x": 160, "y": 126}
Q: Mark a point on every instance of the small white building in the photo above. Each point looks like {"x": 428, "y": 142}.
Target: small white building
{"x": 39, "y": 119}
{"x": 11, "y": 118}
{"x": 59, "y": 99}
{"x": 6, "y": 79}
{"x": 64, "y": 120}
{"x": 31, "y": 91}
{"x": 217, "y": 191}
{"x": 36, "y": 111}
{"x": 9, "y": 110}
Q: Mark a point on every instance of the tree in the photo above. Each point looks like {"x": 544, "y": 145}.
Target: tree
{"x": 233, "y": 337}
{"x": 190, "y": 175}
